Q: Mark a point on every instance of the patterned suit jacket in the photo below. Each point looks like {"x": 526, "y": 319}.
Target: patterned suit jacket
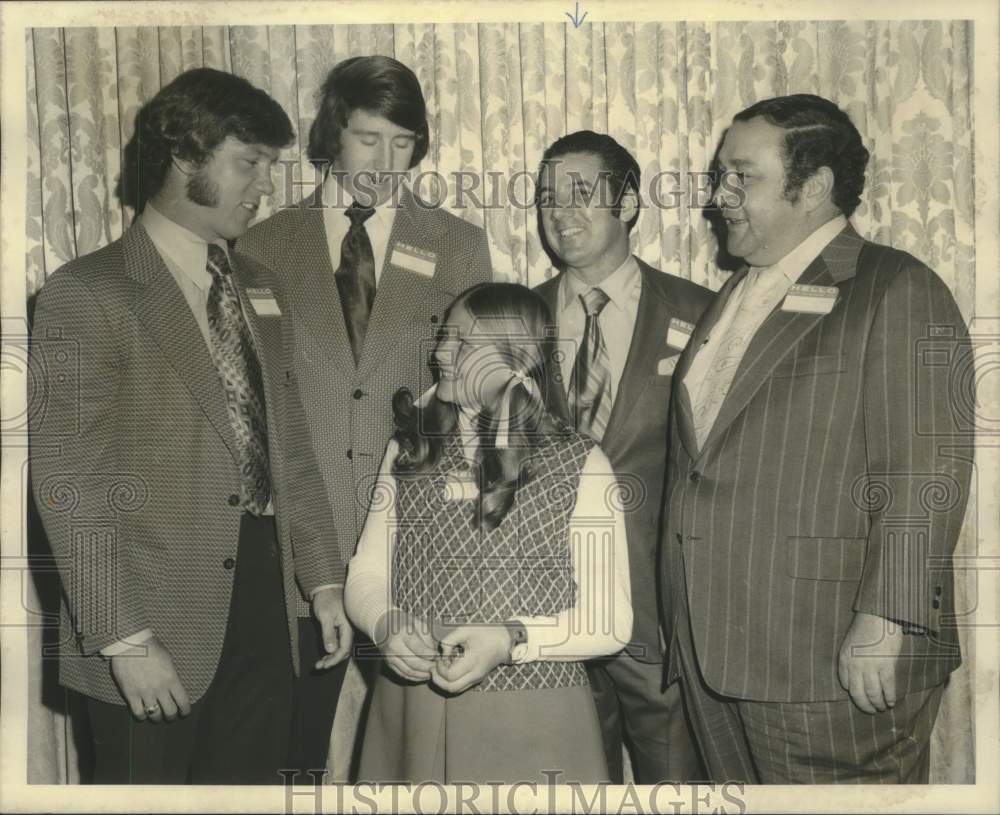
{"x": 348, "y": 408}
{"x": 135, "y": 469}
{"x": 635, "y": 441}
{"x": 833, "y": 481}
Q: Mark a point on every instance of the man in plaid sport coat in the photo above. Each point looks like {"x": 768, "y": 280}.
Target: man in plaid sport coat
{"x": 181, "y": 572}
{"x": 370, "y": 130}
{"x": 820, "y": 460}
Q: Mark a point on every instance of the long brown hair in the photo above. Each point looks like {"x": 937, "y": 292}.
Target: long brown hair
{"x": 421, "y": 430}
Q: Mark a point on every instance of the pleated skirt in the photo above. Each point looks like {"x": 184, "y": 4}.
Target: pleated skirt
{"x": 415, "y": 733}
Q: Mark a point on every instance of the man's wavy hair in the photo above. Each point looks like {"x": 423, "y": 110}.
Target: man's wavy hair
{"x": 421, "y": 430}
{"x": 817, "y": 134}
{"x": 377, "y": 84}
{"x": 188, "y": 119}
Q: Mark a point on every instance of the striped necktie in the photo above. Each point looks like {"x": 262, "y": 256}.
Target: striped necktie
{"x": 239, "y": 369}
{"x": 590, "y": 383}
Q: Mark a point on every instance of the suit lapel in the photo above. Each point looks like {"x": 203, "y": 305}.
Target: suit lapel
{"x": 681, "y": 395}
{"x": 266, "y": 332}
{"x": 647, "y": 336}
{"x": 781, "y": 331}
{"x": 400, "y": 293}
{"x": 163, "y": 312}
{"x": 312, "y": 288}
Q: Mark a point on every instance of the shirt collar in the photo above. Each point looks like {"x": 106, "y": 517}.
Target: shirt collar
{"x": 797, "y": 261}
{"x": 617, "y": 285}
{"x": 187, "y": 251}
{"x": 337, "y": 200}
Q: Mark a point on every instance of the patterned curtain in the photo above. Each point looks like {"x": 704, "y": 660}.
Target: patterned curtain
{"x": 498, "y": 95}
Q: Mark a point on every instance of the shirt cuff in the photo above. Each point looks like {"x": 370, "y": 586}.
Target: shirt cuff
{"x": 318, "y": 589}
{"x": 127, "y": 643}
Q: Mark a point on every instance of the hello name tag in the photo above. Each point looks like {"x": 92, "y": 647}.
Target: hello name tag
{"x": 263, "y": 302}
{"x": 678, "y": 333}
{"x": 413, "y": 259}
{"x": 810, "y": 299}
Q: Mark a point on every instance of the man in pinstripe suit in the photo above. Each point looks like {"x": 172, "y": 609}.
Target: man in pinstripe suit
{"x": 370, "y": 270}
{"x": 171, "y": 464}
{"x": 819, "y": 472}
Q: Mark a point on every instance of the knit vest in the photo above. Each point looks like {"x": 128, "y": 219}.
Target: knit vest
{"x": 446, "y": 570}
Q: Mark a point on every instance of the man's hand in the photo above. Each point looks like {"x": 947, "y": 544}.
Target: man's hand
{"x": 468, "y": 654}
{"x": 146, "y": 678}
{"x": 867, "y": 664}
{"x": 407, "y": 645}
{"x": 328, "y": 609}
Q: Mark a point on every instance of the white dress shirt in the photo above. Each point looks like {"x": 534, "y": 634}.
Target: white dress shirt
{"x": 617, "y": 319}
{"x": 336, "y": 223}
{"x": 600, "y": 621}
{"x": 778, "y": 279}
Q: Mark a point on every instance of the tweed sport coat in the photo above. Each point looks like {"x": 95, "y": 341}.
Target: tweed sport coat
{"x": 431, "y": 257}
{"x": 134, "y": 462}
{"x": 834, "y": 480}
{"x": 635, "y": 440}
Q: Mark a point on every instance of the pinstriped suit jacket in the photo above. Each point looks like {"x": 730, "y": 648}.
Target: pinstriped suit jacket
{"x": 834, "y": 480}
{"x": 636, "y": 436}
{"x": 348, "y": 408}
{"x": 134, "y": 462}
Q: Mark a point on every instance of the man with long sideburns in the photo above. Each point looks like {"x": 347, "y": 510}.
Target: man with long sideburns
{"x": 175, "y": 431}
{"x": 819, "y": 473}
{"x": 629, "y": 323}
{"x": 370, "y": 270}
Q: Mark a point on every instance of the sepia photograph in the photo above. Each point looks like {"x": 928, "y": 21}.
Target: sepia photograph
{"x": 500, "y": 407}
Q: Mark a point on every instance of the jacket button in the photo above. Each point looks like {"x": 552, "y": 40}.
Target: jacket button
{"x": 694, "y": 477}
{"x": 434, "y": 318}
{"x": 680, "y": 538}
{"x": 228, "y": 563}
{"x": 234, "y": 500}
{"x": 937, "y": 591}
{"x": 358, "y": 393}
{"x": 350, "y": 454}
{"x": 936, "y": 603}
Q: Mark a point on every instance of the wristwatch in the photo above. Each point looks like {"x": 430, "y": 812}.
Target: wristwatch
{"x": 518, "y": 641}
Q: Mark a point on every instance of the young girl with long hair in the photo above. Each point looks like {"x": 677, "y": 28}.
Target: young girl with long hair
{"x": 493, "y": 562}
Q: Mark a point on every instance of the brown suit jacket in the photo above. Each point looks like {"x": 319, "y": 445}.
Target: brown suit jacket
{"x": 134, "y": 463}
{"x": 635, "y": 440}
{"x": 833, "y": 481}
{"x": 348, "y": 408}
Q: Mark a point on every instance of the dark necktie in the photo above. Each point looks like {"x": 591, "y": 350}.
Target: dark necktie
{"x": 239, "y": 369}
{"x": 590, "y": 383}
{"x": 356, "y": 277}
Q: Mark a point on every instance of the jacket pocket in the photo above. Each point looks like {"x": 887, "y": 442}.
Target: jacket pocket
{"x": 810, "y": 365}
{"x": 826, "y": 558}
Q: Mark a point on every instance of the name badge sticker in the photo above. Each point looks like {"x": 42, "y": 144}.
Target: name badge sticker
{"x": 804, "y": 299}
{"x": 413, "y": 259}
{"x": 263, "y": 302}
{"x": 679, "y": 333}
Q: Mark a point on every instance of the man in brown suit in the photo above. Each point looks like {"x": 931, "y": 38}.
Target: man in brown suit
{"x": 171, "y": 464}
{"x": 819, "y": 470}
{"x": 370, "y": 270}
{"x": 588, "y": 203}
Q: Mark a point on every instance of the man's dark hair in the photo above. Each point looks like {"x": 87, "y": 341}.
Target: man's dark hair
{"x": 818, "y": 134}
{"x": 188, "y": 119}
{"x": 620, "y": 165}
{"x": 379, "y": 85}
